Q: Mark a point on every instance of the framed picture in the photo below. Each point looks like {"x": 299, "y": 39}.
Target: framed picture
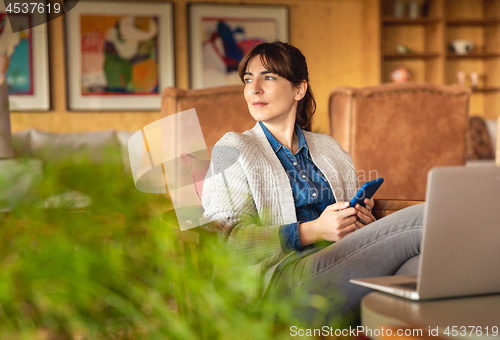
{"x": 119, "y": 55}
{"x": 24, "y": 61}
{"x": 220, "y": 35}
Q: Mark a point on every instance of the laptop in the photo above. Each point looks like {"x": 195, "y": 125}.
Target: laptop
{"x": 460, "y": 252}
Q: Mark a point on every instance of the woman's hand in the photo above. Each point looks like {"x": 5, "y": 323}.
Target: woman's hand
{"x": 334, "y": 223}
{"x": 364, "y": 214}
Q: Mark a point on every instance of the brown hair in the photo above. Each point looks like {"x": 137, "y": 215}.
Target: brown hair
{"x": 288, "y": 62}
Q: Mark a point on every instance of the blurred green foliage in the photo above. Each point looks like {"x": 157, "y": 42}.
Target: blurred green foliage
{"x": 112, "y": 270}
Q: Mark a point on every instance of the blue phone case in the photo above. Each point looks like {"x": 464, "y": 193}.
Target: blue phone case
{"x": 367, "y": 191}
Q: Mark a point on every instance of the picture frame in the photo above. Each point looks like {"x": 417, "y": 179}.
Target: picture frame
{"x": 24, "y": 62}
{"x": 120, "y": 56}
{"x": 220, "y": 34}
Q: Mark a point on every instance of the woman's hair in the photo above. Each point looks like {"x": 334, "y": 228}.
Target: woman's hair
{"x": 288, "y": 62}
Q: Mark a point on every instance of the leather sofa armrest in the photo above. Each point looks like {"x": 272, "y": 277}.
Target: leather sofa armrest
{"x": 384, "y": 207}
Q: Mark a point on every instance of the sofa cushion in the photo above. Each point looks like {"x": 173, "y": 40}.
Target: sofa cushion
{"x": 492, "y": 126}
{"x": 199, "y": 169}
{"x": 96, "y": 146}
{"x": 479, "y": 145}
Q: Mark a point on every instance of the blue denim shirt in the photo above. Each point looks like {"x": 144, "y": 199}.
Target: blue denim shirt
{"x": 311, "y": 191}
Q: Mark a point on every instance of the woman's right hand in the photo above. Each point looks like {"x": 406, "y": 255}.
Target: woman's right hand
{"x": 334, "y": 223}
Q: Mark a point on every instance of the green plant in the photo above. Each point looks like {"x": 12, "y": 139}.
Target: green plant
{"x": 110, "y": 271}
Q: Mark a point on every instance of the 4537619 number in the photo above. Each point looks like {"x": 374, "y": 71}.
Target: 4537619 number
{"x": 455, "y": 331}
{"x": 32, "y": 7}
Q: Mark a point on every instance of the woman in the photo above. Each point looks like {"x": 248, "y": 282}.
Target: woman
{"x": 280, "y": 190}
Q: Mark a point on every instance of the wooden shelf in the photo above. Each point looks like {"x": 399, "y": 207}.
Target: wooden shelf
{"x": 472, "y": 22}
{"x": 429, "y": 37}
{"x": 408, "y": 21}
{"x": 473, "y": 55}
{"x": 393, "y": 56}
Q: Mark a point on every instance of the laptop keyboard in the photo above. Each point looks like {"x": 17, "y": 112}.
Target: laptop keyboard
{"x": 406, "y": 285}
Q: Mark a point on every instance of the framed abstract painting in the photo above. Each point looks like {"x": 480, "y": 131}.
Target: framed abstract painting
{"x": 221, "y": 34}
{"x": 24, "y": 61}
{"x": 119, "y": 55}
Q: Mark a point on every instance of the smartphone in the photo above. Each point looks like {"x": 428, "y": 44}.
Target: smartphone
{"x": 367, "y": 191}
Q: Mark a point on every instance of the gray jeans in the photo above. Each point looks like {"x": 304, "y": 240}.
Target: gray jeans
{"x": 389, "y": 246}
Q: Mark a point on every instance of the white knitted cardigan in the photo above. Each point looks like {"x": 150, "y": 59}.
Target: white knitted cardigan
{"x": 248, "y": 193}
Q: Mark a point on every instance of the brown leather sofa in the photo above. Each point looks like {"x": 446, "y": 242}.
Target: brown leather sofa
{"x": 401, "y": 131}
{"x": 224, "y": 109}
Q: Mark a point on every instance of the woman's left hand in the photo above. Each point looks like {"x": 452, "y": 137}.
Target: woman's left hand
{"x": 365, "y": 216}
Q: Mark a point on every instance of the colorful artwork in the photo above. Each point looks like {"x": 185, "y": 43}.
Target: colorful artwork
{"x": 226, "y": 41}
{"x": 221, "y": 34}
{"x": 119, "y": 55}
{"x": 16, "y": 65}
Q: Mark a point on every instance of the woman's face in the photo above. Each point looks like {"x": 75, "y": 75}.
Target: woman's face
{"x": 270, "y": 98}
